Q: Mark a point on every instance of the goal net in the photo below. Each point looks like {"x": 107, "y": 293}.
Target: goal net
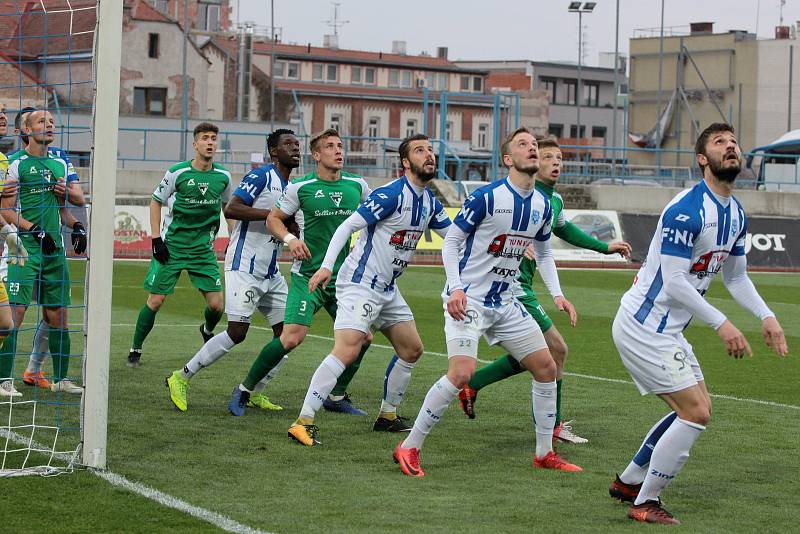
{"x": 53, "y": 372}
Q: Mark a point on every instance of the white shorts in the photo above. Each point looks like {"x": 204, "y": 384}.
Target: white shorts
{"x": 244, "y": 293}
{"x": 510, "y": 322}
{"x": 658, "y": 363}
{"x": 359, "y": 308}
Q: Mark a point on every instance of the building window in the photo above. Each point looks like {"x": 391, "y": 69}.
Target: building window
{"x": 556, "y": 130}
{"x": 317, "y": 72}
{"x": 152, "y": 45}
{"x": 599, "y": 131}
{"x": 374, "y": 126}
{"x": 279, "y": 70}
{"x": 569, "y": 91}
{"x": 443, "y": 82}
{"x": 369, "y": 76}
{"x": 208, "y": 16}
{"x": 448, "y": 131}
{"x": 365, "y": 76}
{"x": 411, "y": 127}
{"x": 149, "y": 100}
{"x": 405, "y": 78}
{"x": 336, "y": 123}
{"x": 464, "y": 83}
{"x": 477, "y": 84}
{"x": 292, "y": 70}
{"x": 483, "y": 129}
{"x": 331, "y": 73}
{"x": 394, "y": 78}
{"x": 573, "y": 131}
{"x": 549, "y": 86}
{"x": 591, "y": 92}
{"x": 161, "y": 5}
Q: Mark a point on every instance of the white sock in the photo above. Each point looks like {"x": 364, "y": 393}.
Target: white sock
{"x": 435, "y": 404}
{"x": 41, "y": 347}
{"x": 669, "y": 455}
{"x": 322, "y": 383}
{"x": 637, "y": 469}
{"x": 272, "y": 374}
{"x": 395, "y": 383}
{"x": 543, "y": 399}
{"x": 216, "y": 347}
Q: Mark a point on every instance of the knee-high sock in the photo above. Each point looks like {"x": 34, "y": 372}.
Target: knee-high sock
{"x": 558, "y": 401}
{"x": 500, "y": 369}
{"x": 7, "y": 353}
{"x": 395, "y": 383}
{"x": 144, "y": 323}
{"x": 321, "y": 385}
{"x": 216, "y": 347}
{"x": 543, "y": 400}
{"x": 270, "y": 356}
{"x": 60, "y": 347}
{"x": 270, "y": 375}
{"x": 637, "y": 469}
{"x": 349, "y": 373}
{"x": 212, "y": 318}
{"x": 669, "y": 455}
{"x": 40, "y": 347}
{"x": 435, "y": 404}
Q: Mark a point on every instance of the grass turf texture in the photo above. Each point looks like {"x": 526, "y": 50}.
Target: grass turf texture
{"x": 739, "y": 478}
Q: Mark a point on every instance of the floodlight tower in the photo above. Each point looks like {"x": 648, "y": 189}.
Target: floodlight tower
{"x": 580, "y": 8}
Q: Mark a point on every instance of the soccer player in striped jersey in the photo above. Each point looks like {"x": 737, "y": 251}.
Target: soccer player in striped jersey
{"x": 506, "y": 366}
{"x": 391, "y": 221}
{"x": 252, "y": 279}
{"x": 497, "y": 224}
{"x": 701, "y": 232}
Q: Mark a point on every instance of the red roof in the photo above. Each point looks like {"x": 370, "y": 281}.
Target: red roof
{"x": 28, "y": 31}
{"x": 145, "y": 12}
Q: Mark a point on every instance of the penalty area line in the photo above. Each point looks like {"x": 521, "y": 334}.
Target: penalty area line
{"x": 576, "y": 375}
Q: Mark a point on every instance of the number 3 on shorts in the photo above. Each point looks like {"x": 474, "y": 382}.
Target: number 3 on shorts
{"x": 303, "y": 305}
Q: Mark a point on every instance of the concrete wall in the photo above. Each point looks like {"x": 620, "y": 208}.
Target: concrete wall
{"x": 638, "y": 199}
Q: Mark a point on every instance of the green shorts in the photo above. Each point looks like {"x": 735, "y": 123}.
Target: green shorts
{"x": 203, "y": 272}
{"x": 302, "y": 306}
{"x": 50, "y": 276}
{"x": 531, "y": 304}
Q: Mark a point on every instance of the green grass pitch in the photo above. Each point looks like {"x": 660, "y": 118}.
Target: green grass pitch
{"x": 742, "y": 475}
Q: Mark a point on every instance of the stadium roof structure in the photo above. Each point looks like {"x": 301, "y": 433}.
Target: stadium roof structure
{"x": 787, "y": 143}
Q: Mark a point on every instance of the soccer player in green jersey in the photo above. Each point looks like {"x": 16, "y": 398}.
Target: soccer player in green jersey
{"x": 319, "y": 202}
{"x": 194, "y": 190}
{"x": 506, "y": 366}
{"x": 36, "y": 173}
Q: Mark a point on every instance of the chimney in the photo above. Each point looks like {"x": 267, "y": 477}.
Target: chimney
{"x": 701, "y": 28}
{"x": 331, "y": 41}
{"x": 782, "y": 32}
{"x": 399, "y": 47}
{"x": 441, "y": 52}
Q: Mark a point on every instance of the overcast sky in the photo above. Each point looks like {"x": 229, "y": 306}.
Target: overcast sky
{"x": 504, "y": 29}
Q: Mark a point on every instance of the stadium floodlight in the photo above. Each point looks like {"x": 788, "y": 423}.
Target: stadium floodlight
{"x": 574, "y": 7}
{"x": 588, "y": 7}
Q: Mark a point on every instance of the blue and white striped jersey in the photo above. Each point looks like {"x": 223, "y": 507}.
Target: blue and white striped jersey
{"x": 398, "y": 215}
{"x": 695, "y": 225}
{"x": 500, "y": 225}
{"x": 252, "y": 249}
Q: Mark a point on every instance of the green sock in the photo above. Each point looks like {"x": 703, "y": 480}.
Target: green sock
{"x": 212, "y": 318}
{"x": 558, "y": 401}
{"x": 498, "y": 370}
{"x": 144, "y": 323}
{"x": 7, "y": 352}
{"x": 347, "y": 376}
{"x": 59, "y": 344}
{"x": 272, "y": 353}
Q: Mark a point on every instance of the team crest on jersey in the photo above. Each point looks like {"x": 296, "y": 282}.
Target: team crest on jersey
{"x": 424, "y": 212}
{"x": 734, "y": 227}
{"x": 336, "y": 197}
{"x": 535, "y": 215}
{"x": 203, "y": 188}
{"x": 319, "y": 194}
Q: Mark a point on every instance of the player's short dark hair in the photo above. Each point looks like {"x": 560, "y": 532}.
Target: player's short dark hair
{"x": 18, "y": 122}
{"x": 313, "y": 144}
{"x": 205, "y": 127}
{"x": 406, "y": 144}
{"x": 275, "y": 137}
{"x": 504, "y": 150}
{"x": 717, "y": 127}
{"x": 548, "y": 142}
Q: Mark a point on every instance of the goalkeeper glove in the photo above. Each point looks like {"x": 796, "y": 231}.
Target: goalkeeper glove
{"x": 78, "y": 238}
{"x": 160, "y": 250}
{"x": 16, "y": 250}
{"x": 43, "y": 238}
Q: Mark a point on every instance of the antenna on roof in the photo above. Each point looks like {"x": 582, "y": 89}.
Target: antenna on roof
{"x": 334, "y": 22}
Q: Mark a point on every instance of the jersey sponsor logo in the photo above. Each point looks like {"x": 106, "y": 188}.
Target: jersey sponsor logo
{"x": 504, "y": 210}
{"x": 374, "y": 207}
{"x": 509, "y": 246}
{"x": 248, "y": 188}
{"x": 708, "y": 264}
{"x": 325, "y": 213}
{"x": 405, "y": 239}
{"x": 501, "y": 271}
{"x": 319, "y": 194}
{"x": 400, "y": 263}
{"x": 677, "y": 237}
{"x": 441, "y": 216}
{"x": 336, "y": 197}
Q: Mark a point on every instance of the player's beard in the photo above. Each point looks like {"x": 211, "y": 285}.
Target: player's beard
{"x": 422, "y": 174}
{"x": 725, "y": 174}
{"x": 532, "y": 169}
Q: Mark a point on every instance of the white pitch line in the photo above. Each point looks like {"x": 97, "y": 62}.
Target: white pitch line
{"x": 577, "y": 375}
{"x": 218, "y": 520}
